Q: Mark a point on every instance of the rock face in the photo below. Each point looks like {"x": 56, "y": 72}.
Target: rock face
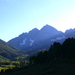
{"x": 40, "y": 39}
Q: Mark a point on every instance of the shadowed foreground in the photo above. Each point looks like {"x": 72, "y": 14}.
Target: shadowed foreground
{"x": 62, "y": 67}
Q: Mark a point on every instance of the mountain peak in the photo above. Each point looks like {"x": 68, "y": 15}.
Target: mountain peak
{"x": 47, "y": 25}
{"x": 33, "y": 30}
{"x": 23, "y": 34}
{"x": 48, "y": 28}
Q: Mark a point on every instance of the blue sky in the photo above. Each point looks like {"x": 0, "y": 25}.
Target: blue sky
{"x": 18, "y": 16}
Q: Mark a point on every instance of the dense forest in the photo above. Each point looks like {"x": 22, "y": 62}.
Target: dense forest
{"x": 57, "y": 51}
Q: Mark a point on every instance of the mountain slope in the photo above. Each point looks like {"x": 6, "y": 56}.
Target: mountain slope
{"x": 7, "y": 51}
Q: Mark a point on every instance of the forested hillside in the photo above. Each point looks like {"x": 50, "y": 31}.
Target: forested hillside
{"x": 57, "y": 51}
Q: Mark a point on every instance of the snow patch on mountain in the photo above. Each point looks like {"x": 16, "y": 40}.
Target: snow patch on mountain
{"x": 58, "y": 38}
{"x": 53, "y": 39}
{"x": 24, "y": 42}
{"x": 31, "y": 42}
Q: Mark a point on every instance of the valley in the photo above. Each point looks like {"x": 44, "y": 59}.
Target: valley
{"x": 58, "y": 60}
{"x": 45, "y": 51}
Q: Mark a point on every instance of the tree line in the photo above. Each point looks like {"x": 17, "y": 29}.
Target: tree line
{"x": 57, "y": 51}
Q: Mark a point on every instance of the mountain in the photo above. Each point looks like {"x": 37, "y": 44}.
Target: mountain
{"x": 8, "y": 52}
{"x": 40, "y": 39}
{"x": 37, "y": 39}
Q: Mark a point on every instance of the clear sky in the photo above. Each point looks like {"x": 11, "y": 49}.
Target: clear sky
{"x": 18, "y": 16}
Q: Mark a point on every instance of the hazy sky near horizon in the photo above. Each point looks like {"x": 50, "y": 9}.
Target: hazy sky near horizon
{"x": 18, "y": 16}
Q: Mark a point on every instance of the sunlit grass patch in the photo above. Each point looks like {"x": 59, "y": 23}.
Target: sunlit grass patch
{"x": 5, "y": 67}
{"x": 21, "y": 57}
